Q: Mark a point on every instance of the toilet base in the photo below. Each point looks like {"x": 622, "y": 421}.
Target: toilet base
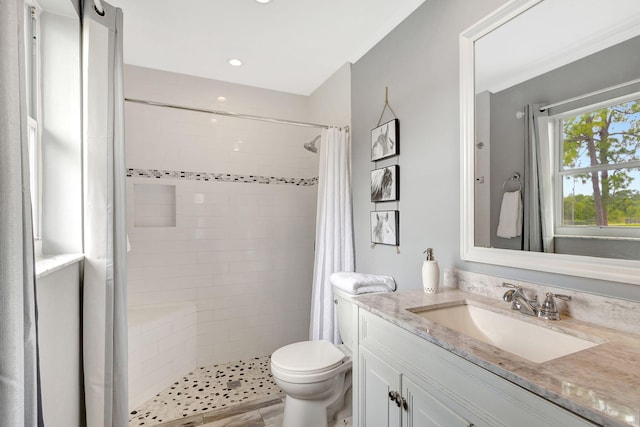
{"x": 344, "y": 412}
{"x": 299, "y": 412}
{"x": 318, "y": 413}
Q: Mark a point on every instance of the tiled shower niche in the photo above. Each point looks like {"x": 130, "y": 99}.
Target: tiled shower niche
{"x": 154, "y": 205}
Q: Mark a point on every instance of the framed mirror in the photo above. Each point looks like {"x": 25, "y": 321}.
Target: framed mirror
{"x": 550, "y": 138}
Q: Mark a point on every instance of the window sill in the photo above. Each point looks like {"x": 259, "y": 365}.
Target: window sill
{"x": 48, "y": 264}
{"x": 576, "y": 236}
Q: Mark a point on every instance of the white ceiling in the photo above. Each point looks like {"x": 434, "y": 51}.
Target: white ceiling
{"x": 286, "y": 45}
{"x": 551, "y": 34}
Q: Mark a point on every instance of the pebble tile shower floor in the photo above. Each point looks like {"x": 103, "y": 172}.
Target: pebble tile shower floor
{"x": 209, "y": 393}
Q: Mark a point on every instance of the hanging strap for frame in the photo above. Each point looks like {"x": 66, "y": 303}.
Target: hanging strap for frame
{"x": 386, "y": 105}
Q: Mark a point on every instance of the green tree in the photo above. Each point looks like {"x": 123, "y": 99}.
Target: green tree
{"x": 579, "y": 209}
{"x": 607, "y": 136}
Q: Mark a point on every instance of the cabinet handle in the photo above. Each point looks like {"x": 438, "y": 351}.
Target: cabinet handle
{"x": 395, "y": 397}
{"x": 401, "y": 402}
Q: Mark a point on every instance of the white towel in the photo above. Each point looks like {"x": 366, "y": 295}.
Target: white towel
{"x": 361, "y": 283}
{"x": 510, "y": 222}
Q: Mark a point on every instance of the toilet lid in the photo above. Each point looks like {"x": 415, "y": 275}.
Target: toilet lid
{"x": 307, "y": 357}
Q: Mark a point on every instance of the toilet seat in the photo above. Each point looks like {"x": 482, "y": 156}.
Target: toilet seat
{"x": 307, "y": 357}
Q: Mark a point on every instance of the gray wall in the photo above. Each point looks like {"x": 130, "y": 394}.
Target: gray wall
{"x": 419, "y": 63}
{"x": 601, "y": 247}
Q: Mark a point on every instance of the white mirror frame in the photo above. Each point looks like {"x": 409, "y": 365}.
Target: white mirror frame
{"x": 624, "y": 271}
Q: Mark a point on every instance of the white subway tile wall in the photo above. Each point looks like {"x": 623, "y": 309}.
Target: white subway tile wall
{"x": 241, "y": 252}
{"x": 162, "y": 347}
{"x": 249, "y": 272}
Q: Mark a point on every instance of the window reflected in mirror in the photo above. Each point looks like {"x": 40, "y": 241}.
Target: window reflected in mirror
{"x": 600, "y": 169}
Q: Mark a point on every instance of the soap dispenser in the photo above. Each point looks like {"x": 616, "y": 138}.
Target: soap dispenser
{"x": 430, "y": 273}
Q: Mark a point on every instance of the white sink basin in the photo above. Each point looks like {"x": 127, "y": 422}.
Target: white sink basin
{"x": 535, "y": 343}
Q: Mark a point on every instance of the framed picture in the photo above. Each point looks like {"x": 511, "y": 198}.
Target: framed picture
{"x": 385, "y": 184}
{"x": 385, "y": 140}
{"x": 384, "y": 227}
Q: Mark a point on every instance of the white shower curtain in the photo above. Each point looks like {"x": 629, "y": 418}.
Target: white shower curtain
{"x": 20, "y": 403}
{"x": 334, "y": 230}
{"x": 104, "y": 286}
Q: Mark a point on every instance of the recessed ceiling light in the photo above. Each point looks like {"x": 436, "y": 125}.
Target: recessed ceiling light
{"x": 263, "y": 1}
{"x": 235, "y": 62}
{"x": 221, "y": 98}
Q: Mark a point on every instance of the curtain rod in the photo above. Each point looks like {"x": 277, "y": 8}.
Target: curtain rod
{"x": 587, "y": 95}
{"x": 229, "y": 114}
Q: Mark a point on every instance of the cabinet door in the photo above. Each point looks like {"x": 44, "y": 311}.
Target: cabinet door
{"x": 377, "y": 381}
{"x": 423, "y": 410}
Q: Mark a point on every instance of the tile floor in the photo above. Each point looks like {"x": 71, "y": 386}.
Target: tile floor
{"x": 236, "y": 394}
{"x": 239, "y": 393}
{"x": 268, "y": 416}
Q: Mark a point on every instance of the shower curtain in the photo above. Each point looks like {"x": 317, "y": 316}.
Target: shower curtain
{"x": 20, "y": 403}
{"x": 538, "y": 228}
{"x": 334, "y": 230}
{"x": 104, "y": 285}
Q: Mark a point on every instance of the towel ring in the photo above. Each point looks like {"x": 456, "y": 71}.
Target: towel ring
{"x": 514, "y": 177}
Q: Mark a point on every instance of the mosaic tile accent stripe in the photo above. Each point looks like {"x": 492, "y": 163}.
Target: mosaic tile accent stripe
{"x": 224, "y": 177}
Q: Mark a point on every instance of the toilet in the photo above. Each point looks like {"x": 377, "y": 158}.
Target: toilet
{"x": 316, "y": 375}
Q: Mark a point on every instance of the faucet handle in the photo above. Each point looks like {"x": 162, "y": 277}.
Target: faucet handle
{"x": 549, "y": 310}
{"x": 508, "y": 296}
{"x": 562, "y": 297}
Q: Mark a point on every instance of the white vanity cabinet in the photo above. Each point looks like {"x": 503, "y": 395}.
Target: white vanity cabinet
{"x": 379, "y": 382}
{"x": 405, "y": 380}
{"x": 390, "y": 398}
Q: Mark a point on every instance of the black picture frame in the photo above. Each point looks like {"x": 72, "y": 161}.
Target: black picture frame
{"x": 385, "y": 140}
{"x": 385, "y": 227}
{"x": 385, "y": 184}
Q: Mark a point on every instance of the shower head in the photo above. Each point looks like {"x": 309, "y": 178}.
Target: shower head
{"x": 311, "y": 146}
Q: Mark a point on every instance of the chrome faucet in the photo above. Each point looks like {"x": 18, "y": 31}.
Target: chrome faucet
{"x": 530, "y": 306}
{"x": 520, "y": 301}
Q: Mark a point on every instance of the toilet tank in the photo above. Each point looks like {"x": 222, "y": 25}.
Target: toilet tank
{"x": 344, "y": 309}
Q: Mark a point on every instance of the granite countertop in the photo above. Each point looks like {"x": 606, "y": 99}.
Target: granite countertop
{"x": 602, "y": 383}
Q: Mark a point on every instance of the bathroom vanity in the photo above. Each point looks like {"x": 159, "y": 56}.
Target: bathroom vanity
{"x": 463, "y": 357}
{"x": 410, "y": 370}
